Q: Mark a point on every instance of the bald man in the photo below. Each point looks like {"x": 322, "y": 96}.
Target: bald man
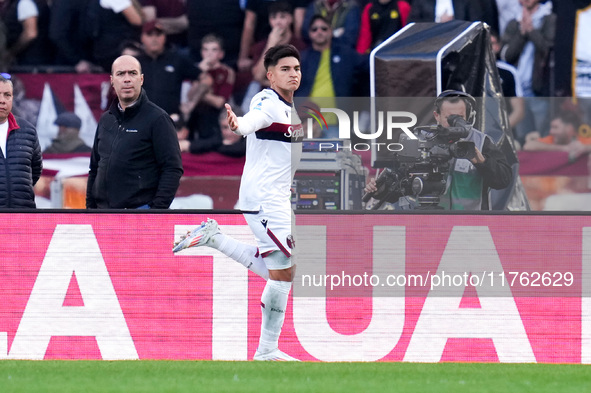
{"x": 136, "y": 159}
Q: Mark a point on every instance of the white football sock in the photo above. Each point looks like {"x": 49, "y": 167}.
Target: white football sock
{"x": 242, "y": 253}
{"x": 273, "y": 305}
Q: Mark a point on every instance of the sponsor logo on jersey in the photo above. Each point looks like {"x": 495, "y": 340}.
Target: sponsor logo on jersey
{"x": 295, "y": 131}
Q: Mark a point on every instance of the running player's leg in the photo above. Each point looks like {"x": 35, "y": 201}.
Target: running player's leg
{"x": 208, "y": 234}
{"x": 273, "y": 307}
{"x": 274, "y": 235}
{"x": 245, "y": 254}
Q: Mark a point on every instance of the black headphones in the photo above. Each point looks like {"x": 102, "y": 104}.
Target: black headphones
{"x": 468, "y": 99}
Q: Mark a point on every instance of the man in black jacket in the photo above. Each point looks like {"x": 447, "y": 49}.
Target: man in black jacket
{"x": 136, "y": 159}
{"x": 20, "y": 154}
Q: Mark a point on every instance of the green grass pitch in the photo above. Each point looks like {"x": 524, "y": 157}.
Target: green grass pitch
{"x": 216, "y": 376}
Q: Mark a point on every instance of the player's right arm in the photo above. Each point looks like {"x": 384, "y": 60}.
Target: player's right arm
{"x": 256, "y": 119}
{"x": 232, "y": 118}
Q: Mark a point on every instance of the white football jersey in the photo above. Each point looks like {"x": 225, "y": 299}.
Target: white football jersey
{"x": 273, "y": 150}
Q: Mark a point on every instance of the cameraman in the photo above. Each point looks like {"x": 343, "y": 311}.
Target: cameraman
{"x": 469, "y": 180}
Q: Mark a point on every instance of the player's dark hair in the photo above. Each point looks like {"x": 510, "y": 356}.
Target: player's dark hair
{"x": 276, "y": 53}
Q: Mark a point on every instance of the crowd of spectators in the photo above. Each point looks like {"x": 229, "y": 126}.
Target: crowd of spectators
{"x": 197, "y": 54}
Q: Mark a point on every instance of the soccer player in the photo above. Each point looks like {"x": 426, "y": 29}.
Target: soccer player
{"x": 273, "y": 133}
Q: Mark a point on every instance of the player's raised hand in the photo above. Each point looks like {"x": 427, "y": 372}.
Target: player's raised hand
{"x": 232, "y": 118}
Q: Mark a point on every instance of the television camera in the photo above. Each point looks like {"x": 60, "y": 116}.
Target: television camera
{"x": 421, "y": 168}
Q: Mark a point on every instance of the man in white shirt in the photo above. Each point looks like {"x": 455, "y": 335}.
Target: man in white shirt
{"x": 273, "y": 149}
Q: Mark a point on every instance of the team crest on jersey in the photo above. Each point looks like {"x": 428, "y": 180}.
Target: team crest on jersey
{"x": 290, "y": 242}
{"x": 264, "y": 222}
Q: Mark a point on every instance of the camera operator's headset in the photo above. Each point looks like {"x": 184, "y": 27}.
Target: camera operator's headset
{"x": 468, "y": 99}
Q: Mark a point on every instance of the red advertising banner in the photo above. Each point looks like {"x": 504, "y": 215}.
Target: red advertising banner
{"x": 374, "y": 287}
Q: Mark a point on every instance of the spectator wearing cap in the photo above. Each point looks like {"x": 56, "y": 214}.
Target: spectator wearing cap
{"x": 68, "y": 139}
{"x": 164, "y": 68}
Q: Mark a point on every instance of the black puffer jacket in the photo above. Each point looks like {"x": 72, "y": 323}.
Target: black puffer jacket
{"x": 21, "y": 167}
